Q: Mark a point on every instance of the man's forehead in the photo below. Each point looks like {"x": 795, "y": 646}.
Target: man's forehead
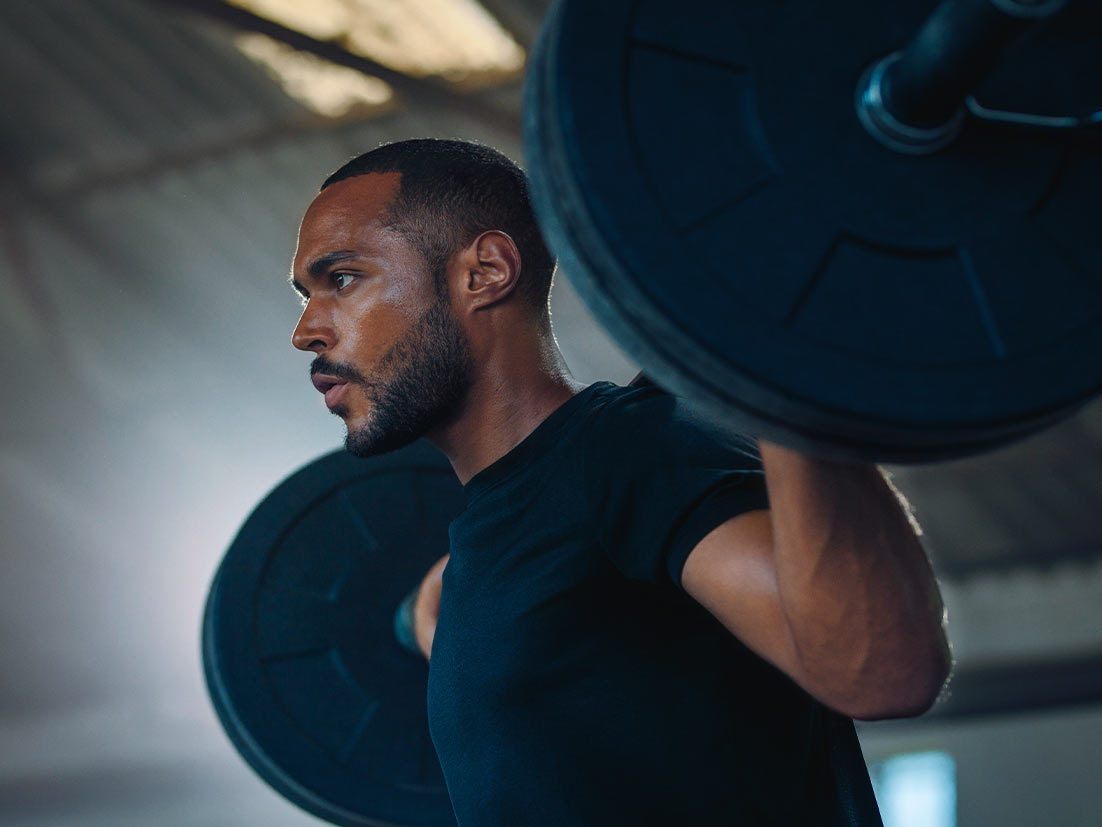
{"x": 355, "y": 201}
{"x": 343, "y": 222}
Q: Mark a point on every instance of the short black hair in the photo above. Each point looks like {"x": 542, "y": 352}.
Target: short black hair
{"x": 452, "y": 191}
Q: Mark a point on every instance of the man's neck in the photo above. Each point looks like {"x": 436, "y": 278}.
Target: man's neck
{"x": 507, "y": 401}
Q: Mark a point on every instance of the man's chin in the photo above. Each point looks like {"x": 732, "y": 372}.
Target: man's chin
{"x": 368, "y": 441}
{"x": 352, "y": 421}
{"x": 355, "y": 415}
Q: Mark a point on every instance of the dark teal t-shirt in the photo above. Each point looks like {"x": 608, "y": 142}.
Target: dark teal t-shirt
{"x": 572, "y": 681}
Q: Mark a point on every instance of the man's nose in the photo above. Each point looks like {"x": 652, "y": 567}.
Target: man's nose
{"x": 313, "y": 332}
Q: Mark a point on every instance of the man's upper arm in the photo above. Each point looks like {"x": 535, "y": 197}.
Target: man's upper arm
{"x": 731, "y": 573}
{"x": 658, "y": 478}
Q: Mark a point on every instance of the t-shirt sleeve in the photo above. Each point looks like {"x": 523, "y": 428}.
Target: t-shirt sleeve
{"x": 660, "y": 477}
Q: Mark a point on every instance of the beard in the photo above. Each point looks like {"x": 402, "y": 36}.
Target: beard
{"x": 421, "y": 383}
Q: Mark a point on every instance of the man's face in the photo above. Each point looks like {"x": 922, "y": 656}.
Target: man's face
{"x": 391, "y": 359}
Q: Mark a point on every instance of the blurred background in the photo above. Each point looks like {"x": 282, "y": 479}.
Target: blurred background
{"x": 155, "y": 158}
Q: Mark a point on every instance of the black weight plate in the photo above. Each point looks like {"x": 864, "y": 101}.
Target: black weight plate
{"x": 299, "y": 650}
{"x": 701, "y": 172}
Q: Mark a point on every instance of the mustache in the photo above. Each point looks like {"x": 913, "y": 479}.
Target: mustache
{"x": 337, "y": 370}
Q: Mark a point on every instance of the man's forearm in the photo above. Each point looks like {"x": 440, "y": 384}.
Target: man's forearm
{"x": 855, "y": 585}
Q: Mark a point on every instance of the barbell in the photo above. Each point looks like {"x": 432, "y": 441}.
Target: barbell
{"x": 742, "y": 195}
{"x": 301, "y": 659}
{"x": 865, "y": 230}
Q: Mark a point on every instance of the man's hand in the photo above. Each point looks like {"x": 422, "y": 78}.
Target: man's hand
{"x": 426, "y": 608}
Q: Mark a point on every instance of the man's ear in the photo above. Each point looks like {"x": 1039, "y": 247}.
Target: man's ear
{"x": 491, "y": 267}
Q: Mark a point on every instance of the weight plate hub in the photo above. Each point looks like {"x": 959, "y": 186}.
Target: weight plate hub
{"x": 706, "y": 183}
{"x": 299, "y": 650}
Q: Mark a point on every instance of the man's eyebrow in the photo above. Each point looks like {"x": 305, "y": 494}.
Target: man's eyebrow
{"x": 323, "y": 262}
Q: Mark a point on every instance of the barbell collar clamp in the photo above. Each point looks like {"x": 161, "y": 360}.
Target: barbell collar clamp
{"x": 890, "y": 131}
{"x": 1046, "y": 123}
{"x": 912, "y": 101}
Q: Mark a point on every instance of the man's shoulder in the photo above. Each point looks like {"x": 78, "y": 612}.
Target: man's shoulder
{"x": 648, "y": 418}
{"x": 618, "y": 407}
{"x": 612, "y": 402}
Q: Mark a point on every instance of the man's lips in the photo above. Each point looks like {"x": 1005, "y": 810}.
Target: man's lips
{"x": 331, "y": 386}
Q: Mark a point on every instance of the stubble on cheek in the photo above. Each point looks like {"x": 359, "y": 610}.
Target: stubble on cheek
{"x": 427, "y": 372}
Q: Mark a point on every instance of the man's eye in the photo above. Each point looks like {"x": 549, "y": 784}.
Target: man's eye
{"x": 342, "y": 280}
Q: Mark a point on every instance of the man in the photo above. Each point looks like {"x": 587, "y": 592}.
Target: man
{"x": 633, "y": 628}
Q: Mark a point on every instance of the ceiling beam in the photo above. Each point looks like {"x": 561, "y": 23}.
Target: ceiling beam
{"x": 961, "y": 569}
{"x": 249, "y": 139}
{"x": 421, "y": 90}
{"x": 1012, "y": 689}
{"x": 521, "y": 19}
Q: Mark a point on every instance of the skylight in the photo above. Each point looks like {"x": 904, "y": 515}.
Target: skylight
{"x": 456, "y": 39}
{"x": 324, "y": 87}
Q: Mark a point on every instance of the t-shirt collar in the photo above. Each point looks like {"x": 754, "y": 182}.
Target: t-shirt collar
{"x": 541, "y": 440}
